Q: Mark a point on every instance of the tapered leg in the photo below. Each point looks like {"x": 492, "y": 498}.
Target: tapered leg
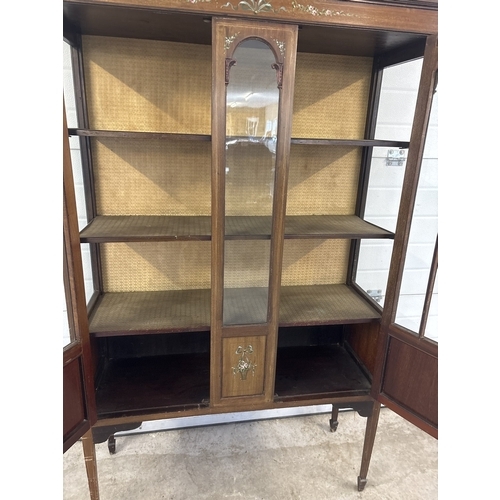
{"x": 334, "y": 421}
{"x": 91, "y": 464}
{"x": 371, "y": 431}
{"x": 112, "y": 444}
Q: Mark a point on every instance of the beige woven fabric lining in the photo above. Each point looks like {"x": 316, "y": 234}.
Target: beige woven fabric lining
{"x": 148, "y": 85}
{"x": 177, "y": 265}
{"x": 331, "y": 95}
{"x": 152, "y": 177}
{"x": 323, "y": 180}
{"x": 314, "y": 262}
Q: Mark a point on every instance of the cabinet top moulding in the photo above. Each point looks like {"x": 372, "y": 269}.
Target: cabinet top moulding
{"x": 333, "y": 28}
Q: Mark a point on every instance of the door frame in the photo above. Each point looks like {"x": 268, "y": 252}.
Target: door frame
{"x": 79, "y": 413}
{"x": 389, "y": 360}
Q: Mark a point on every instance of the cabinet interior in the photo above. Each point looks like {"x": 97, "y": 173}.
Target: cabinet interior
{"x": 147, "y": 94}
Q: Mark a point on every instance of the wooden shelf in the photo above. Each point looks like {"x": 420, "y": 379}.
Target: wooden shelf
{"x": 116, "y": 228}
{"x": 80, "y": 132}
{"x": 351, "y": 142}
{"x": 125, "y": 228}
{"x": 140, "y": 313}
{"x": 134, "y": 386}
{"x": 323, "y": 305}
{"x": 332, "y": 226}
{"x": 136, "y": 313}
{"x": 318, "y": 372}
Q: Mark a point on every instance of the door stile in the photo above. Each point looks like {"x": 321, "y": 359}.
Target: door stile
{"x": 226, "y": 36}
{"x": 417, "y": 142}
{"x": 279, "y": 208}
{"x": 75, "y": 283}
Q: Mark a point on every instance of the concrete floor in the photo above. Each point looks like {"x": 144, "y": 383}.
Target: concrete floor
{"x": 279, "y": 459}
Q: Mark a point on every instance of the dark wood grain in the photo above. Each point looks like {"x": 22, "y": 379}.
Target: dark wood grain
{"x": 411, "y": 380}
{"x": 133, "y": 313}
{"x": 124, "y": 134}
{"x": 373, "y": 28}
{"x": 74, "y": 413}
{"x": 140, "y": 313}
{"x": 158, "y": 383}
{"x": 352, "y": 142}
{"x": 317, "y": 371}
{"x": 116, "y": 228}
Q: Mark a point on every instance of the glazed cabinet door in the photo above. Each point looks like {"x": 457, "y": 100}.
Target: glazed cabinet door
{"x": 253, "y": 74}
{"x": 406, "y": 376}
{"x": 78, "y": 402}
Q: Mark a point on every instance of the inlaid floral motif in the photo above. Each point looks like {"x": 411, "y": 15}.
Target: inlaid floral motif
{"x": 309, "y": 9}
{"x": 244, "y": 364}
{"x": 258, "y": 6}
{"x": 229, "y": 40}
{"x": 281, "y": 46}
{"x": 255, "y": 6}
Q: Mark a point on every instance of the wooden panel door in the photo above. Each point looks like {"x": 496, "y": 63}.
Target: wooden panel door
{"x": 406, "y": 374}
{"x": 78, "y": 398}
{"x": 253, "y": 68}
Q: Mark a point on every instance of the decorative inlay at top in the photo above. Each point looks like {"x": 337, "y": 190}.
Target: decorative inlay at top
{"x": 258, "y": 6}
{"x": 229, "y": 41}
{"x": 255, "y": 6}
{"x": 309, "y": 9}
{"x": 281, "y": 45}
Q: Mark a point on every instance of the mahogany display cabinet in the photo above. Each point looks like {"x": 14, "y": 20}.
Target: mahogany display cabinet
{"x": 226, "y": 153}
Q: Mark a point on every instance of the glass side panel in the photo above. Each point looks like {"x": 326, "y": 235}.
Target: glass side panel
{"x": 251, "y": 133}
{"x": 423, "y": 233}
{"x": 398, "y": 97}
{"x": 76, "y": 163}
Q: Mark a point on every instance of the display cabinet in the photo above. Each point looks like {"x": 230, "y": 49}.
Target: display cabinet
{"x": 226, "y": 152}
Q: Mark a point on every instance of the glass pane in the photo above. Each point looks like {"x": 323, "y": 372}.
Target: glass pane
{"x": 398, "y": 97}
{"x": 423, "y": 233}
{"x": 251, "y": 128}
{"x": 76, "y": 163}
